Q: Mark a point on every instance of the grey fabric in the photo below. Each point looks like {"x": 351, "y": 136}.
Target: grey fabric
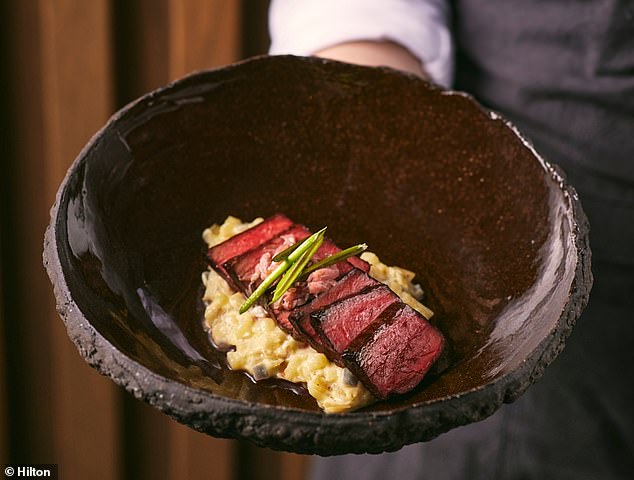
{"x": 563, "y": 72}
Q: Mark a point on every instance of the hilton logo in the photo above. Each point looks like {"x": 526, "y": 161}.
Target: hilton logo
{"x": 30, "y": 471}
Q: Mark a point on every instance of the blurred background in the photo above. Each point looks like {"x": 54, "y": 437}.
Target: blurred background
{"x": 66, "y": 66}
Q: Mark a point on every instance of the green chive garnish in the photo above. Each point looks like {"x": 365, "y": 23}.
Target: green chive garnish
{"x": 285, "y": 253}
{"x": 335, "y": 258}
{"x": 296, "y": 270}
{"x": 293, "y": 257}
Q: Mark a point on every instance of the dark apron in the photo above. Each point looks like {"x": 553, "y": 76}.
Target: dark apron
{"x": 563, "y": 72}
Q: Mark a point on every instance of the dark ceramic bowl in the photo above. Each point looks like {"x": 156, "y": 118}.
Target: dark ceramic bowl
{"x": 427, "y": 178}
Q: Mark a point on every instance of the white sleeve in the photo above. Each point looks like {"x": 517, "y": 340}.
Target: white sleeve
{"x": 302, "y": 27}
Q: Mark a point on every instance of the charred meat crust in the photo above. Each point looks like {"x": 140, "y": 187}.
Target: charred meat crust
{"x": 242, "y": 267}
{"x": 352, "y": 283}
{"x": 394, "y": 354}
{"x": 342, "y": 321}
{"x": 245, "y": 241}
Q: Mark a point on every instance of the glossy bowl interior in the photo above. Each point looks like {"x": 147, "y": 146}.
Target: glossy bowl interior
{"x": 429, "y": 179}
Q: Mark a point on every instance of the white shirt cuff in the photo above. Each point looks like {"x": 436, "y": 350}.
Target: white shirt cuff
{"x": 302, "y": 27}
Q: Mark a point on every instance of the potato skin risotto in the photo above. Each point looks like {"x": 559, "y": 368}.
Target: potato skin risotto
{"x": 259, "y": 347}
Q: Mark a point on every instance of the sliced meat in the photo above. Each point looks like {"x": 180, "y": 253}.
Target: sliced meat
{"x": 394, "y": 354}
{"x": 249, "y": 239}
{"x": 249, "y": 269}
{"x": 341, "y": 322}
{"x": 283, "y": 321}
{"x": 295, "y": 297}
{"x": 317, "y": 283}
{"x": 348, "y": 285}
{"x": 329, "y": 248}
{"x": 322, "y": 279}
{"x": 300, "y": 295}
{"x": 360, "y": 264}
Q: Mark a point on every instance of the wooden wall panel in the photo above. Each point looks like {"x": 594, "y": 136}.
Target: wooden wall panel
{"x": 203, "y": 34}
{"x": 159, "y": 448}
{"x": 28, "y": 347}
{"x": 4, "y": 446}
{"x": 158, "y": 41}
{"x": 293, "y": 467}
{"x": 61, "y": 79}
{"x": 4, "y": 210}
{"x": 199, "y": 456}
{"x": 76, "y": 45}
{"x": 257, "y": 463}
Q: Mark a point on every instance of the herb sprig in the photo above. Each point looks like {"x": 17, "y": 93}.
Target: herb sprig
{"x": 285, "y": 264}
{"x": 295, "y": 271}
{"x": 292, "y": 266}
{"x": 334, "y": 258}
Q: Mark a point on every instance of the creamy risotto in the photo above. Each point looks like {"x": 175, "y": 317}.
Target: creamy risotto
{"x": 259, "y": 347}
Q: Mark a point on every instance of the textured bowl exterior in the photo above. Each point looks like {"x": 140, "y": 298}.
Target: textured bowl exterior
{"x": 431, "y": 180}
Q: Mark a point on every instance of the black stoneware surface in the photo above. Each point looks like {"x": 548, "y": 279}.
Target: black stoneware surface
{"x": 429, "y": 179}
